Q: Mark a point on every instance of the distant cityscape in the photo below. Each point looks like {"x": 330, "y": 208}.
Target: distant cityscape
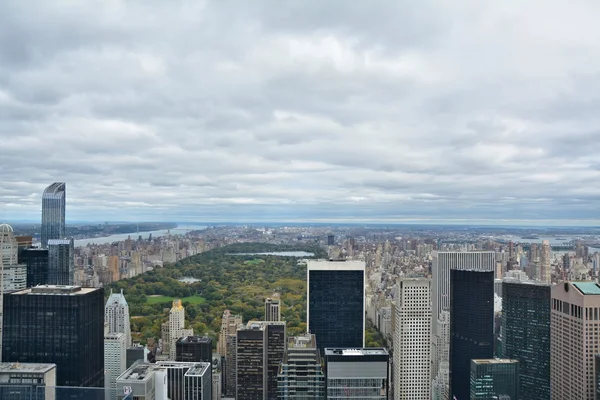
{"x": 463, "y": 313}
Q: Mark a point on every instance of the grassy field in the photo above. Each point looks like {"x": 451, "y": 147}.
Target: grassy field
{"x": 167, "y": 299}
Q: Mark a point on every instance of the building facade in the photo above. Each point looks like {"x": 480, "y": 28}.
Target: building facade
{"x": 272, "y": 309}
{"x": 63, "y": 325}
{"x": 574, "y": 339}
{"x": 471, "y": 325}
{"x": 116, "y": 315}
{"x": 357, "y": 373}
{"x": 53, "y": 213}
{"x": 336, "y": 303}
{"x": 115, "y": 356}
{"x": 26, "y": 381}
{"x": 495, "y": 379}
{"x": 36, "y": 261}
{"x": 61, "y": 265}
{"x": 412, "y": 341}
{"x": 193, "y": 349}
{"x": 188, "y": 381}
{"x": 177, "y": 327}
{"x": 526, "y": 334}
{"x": 301, "y": 376}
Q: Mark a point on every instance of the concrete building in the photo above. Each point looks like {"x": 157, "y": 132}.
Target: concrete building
{"x": 412, "y": 341}
{"x": 230, "y": 366}
{"x": 177, "y": 327}
{"x": 301, "y": 376}
{"x": 357, "y": 373}
{"x": 114, "y": 360}
{"x": 53, "y": 213}
{"x": 495, "y": 379}
{"x": 525, "y": 334}
{"x": 116, "y": 314}
{"x": 27, "y": 381}
{"x": 61, "y": 264}
{"x": 188, "y": 381}
{"x": 226, "y": 348}
{"x": 260, "y": 351}
{"x": 574, "y": 339}
{"x": 143, "y": 381}
{"x": 272, "y": 309}
{"x": 545, "y": 263}
{"x": 335, "y": 310}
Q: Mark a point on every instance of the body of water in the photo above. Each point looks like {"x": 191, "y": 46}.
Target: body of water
{"x": 189, "y": 279}
{"x": 179, "y": 230}
{"x": 277, "y": 253}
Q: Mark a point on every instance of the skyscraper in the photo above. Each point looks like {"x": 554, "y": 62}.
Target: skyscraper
{"x": 53, "y": 213}
{"x": 526, "y": 334}
{"x": 177, "y": 327}
{"x": 336, "y": 303}
{"x": 495, "y": 379}
{"x": 471, "y": 325}
{"x": 301, "y": 376}
{"x": 260, "y": 351}
{"x": 193, "y": 349}
{"x": 36, "y": 261}
{"x": 115, "y": 356}
{"x": 14, "y": 275}
{"x": 116, "y": 315}
{"x": 412, "y": 349}
{"x": 574, "y": 339}
{"x": 63, "y": 325}
{"x": 272, "y": 309}
{"x": 61, "y": 264}
{"x": 545, "y": 263}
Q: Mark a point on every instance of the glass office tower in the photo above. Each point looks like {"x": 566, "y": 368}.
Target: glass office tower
{"x": 471, "y": 325}
{"x": 37, "y": 266}
{"x": 495, "y": 379}
{"x": 526, "y": 334}
{"x": 53, "y": 213}
{"x": 336, "y": 303}
{"x": 61, "y": 262}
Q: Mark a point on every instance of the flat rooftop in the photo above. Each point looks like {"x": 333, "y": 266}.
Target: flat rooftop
{"x": 335, "y": 265}
{"x": 9, "y": 367}
{"x": 56, "y": 290}
{"x": 587, "y": 287}
{"x": 365, "y": 351}
{"x": 494, "y": 361}
{"x": 199, "y": 369}
{"x": 194, "y": 339}
{"x": 137, "y": 372}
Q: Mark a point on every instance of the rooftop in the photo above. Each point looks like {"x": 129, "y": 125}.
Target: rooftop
{"x": 199, "y": 369}
{"x": 59, "y": 241}
{"x": 194, "y": 339}
{"x": 56, "y": 290}
{"x": 9, "y": 367}
{"x": 137, "y": 372}
{"x": 337, "y": 265}
{"x": 494, "y": 361}
{"x": 365, "y": 351}
{"x": 587, "y": 287}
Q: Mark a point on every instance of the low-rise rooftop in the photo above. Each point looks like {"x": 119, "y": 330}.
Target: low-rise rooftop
{"x": 587, "y": 287}
{"x": 365, "y": 351}
{"x": 55, "y": 290}
{"x": 16, "y": 367}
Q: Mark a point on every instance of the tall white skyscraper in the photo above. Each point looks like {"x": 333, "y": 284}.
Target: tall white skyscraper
{"x": 545, "y": 263}
{"x": 443, "y": 262}
{"x": 116, "y": 315}
{"x": 177, "y": 327}
{"x": 412, "y": 349}
{"x": 115, "y": 356}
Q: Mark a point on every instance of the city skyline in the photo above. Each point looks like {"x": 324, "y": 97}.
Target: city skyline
{"x": 389, "y": 112}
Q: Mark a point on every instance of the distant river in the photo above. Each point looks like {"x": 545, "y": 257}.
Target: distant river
{"x": 179, "y": 230}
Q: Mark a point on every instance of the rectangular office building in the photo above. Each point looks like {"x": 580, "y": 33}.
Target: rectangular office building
{"x": 495, "y": 379}
{"x": 336, "y": 303}
{"x": 360, "y": 373}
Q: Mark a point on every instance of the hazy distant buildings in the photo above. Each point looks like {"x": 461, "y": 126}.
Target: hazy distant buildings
{"x": 53, "y": 213}
{"x": 301, "y": 376}
{"x": 495, "y": 379}
{"x": 336, "y": 303}
{"x": 260, "y": 351}
{"x": 116, "y": 315}
{"x": 193, "y": 349}
{"x": 63, "y": 325}
{"x": 412, "y": 340}
{"x": 574, "y": 339}
{"x": 526, "y": 334}
{"x": 61, "y": 267}
{"x": 471, "y": 325}
{"x": 360, "y": 373}
{"x": 272, "y": 309}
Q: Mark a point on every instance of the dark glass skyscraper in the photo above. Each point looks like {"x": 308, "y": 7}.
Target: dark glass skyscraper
{"x": 53, "y": 213}
{"x": 37, "y": 266}
{"x": 471, "y": 325}
{"x": 61, "y": 268}
{"x": 63, "y": 325}
{"x": 193, "y": 349}
{"x": 526, "y": 334}
{"x": 495, "y": 379}
{"x": 336, "y": 303}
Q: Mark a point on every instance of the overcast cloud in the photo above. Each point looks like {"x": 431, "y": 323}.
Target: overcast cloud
{"x": 301, "y": 110}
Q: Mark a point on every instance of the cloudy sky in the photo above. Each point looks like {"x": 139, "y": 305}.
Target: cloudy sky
{"x": 238, "y": 110}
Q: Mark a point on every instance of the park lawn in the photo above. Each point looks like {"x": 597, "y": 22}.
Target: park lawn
{"x": 167, "y": 299}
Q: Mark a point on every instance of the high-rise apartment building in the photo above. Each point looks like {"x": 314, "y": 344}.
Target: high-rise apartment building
{"x": 53, "y": 213}
{"x": 545, "y": 262}
{"x": 63, "y": 325}
{"x": 495, "y": 379}
{"x": 359, "y": 373}
{"x": 260, "y": 351}
{"x": 193, "y": 349}
{"x": 13, "y": 275}
{"x": 36, "y": 261}
{"x": 272, "y": 309}
{"x": 116, "y": 315}
{"x": 115, "y": 356}
{"x": 471, "y": 325}
{"x": 226, "y": 346}
{"x": 412, "y": 341}
{"x": 526, "y": 334}
{"x": 61, "y": 263}
{"x": 574, "y": 339}
{"x": 177, "y": 327}
{"x": 336, "y": 303}
{"x": 301, "y": 376}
